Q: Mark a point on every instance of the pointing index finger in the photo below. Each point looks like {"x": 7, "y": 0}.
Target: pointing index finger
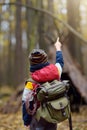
{"x": 57, "y": 39}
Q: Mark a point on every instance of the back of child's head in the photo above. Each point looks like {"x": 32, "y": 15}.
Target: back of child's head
{"x": 38, "y": 58}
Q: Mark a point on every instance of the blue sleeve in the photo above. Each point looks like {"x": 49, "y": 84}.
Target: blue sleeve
{"x": 26, "y": 117}
{"x": 59, "y": 58}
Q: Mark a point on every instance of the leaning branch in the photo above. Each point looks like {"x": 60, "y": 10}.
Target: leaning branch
{"x": 52, "y": 15}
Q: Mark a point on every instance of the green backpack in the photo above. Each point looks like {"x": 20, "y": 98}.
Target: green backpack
{"x": 54, "y": 102}
{"x": 55, "y": 106}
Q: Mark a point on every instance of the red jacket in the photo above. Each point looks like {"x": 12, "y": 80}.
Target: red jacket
{"x": 45, "y": 74}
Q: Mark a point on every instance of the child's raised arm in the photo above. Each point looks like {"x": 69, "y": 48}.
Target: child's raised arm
{"x": 59, "y": 57}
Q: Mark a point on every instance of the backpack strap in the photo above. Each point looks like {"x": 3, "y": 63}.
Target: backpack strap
{"x": 34, "y": 102}
{"x": 70, "y": 122}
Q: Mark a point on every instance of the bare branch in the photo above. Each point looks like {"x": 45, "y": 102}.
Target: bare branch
{"x": 53, "y": 16}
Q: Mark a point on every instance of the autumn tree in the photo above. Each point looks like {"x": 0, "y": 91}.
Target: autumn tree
{"x": 73, "y": 16}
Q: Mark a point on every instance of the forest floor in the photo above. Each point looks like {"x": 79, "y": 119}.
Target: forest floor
{"x": 13, "y": 121}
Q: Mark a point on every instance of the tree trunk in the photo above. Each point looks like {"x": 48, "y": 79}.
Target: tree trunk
{"x": 73, "y": 16}
{"x": 9, "y": 63}
{"x": 49, "y": 18}
{"x": 19, "y": 60}
{"x": 84, "y": 55}
{"x": 42, "y": 43}
{"x": 10, "y": 57}
{"x": 29, "y": 24}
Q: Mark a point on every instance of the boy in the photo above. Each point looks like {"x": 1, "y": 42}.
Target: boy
{"x": 41, "y": 71}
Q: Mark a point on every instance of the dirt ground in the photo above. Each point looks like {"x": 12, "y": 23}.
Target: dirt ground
{"x": 14, "y": 121}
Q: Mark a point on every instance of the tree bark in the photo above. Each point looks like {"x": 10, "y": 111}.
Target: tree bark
{"x": 73, "y": 16}
{"x": 19, "y": 61}
{"x": 29, "y": 24}
{"x": 49, "y": 18}
{"x": 10, "y": 57}
{"x": 75, "y": 74}
{"x": 41, "y": 40}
